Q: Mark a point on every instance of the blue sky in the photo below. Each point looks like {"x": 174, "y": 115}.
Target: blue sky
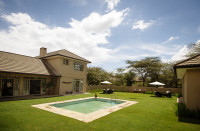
{"x": 106, "y": 32}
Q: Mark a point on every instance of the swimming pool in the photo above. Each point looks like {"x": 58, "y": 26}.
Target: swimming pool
{"x": 88, "y": 105}
{"x": 85, "y": 109}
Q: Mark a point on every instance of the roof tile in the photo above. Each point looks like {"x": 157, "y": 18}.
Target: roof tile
{"x": 10, "y": 62}
{"x": 193, "y": 61}
{"x": 66, "y": 53}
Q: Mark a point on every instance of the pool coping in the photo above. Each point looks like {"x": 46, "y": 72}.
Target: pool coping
{"x": 81, "y": 116}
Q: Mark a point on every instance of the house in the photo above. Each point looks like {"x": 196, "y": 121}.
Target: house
{"x": 138, "y": 81}
{"x": 189, "y": 71}
{"x": 23, "y": 75}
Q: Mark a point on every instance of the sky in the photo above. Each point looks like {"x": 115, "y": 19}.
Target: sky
{"x": 106, "y": 32}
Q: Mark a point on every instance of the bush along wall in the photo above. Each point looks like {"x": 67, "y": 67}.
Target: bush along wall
{"x": 183, "y": 112}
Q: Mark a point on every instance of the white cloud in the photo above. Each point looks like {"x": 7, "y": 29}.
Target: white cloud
{"x": 141, "y": 50}
{"x": 164, "y": 59}
{"x": 158, "y": 49}
{"x": 97, "y": 24}
{"x": 142, "y": 25}
{"x": 171, "y": 39}
{"x": 112, "y": 3}
{"x": 26, "y": 35}
{"x": 180, "y": 55}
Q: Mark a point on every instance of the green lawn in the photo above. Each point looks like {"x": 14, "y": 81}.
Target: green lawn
{"x": 150, "y": 113}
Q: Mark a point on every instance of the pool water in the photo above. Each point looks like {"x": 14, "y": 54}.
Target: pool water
{"x": 88, "y": 105}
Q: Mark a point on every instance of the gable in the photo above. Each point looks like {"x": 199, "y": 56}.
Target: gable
{"x": 65, "y": 53}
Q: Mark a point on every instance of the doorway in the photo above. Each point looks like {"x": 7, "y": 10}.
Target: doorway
{"x": 35, "y": 86}
{"x": 7, "y": 89}
{"x": 77, "y": 85}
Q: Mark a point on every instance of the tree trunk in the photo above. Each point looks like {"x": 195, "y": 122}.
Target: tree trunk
{"x": 143, "y": 81}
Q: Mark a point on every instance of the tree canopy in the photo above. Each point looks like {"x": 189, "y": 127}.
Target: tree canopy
{"x": 95, "y": 75}
{"x": 194, "y": 49}
{"x": 147, "y": 67}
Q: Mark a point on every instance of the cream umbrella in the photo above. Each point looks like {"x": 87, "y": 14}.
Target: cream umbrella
{"x": 106, "y": 82}
{"x": 156, "y": 83}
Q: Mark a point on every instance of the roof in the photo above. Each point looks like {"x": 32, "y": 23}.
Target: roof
{"x": 15, "y": 63}
{"x": 191, "y": 62}
{"x": 137, "y": 78}
{"x": 65, "y": 53}
{"x": 181, "y": 67}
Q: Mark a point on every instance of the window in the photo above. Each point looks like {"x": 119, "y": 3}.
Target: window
{"x": 26, "y": 86}
{"x": 77, "y": 85}
{"x": 78, "y": 66}
{"x": 43, "y": 85}
{"x": 65, "y": 62}
{"x": 16, "y": 86}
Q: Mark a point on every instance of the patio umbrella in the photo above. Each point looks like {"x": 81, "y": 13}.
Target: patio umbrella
{"x": 156, "y": 83}
{"x": 106, "y": 82}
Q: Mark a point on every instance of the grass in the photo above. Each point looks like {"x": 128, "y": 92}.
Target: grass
{"x": 151, "y": 113}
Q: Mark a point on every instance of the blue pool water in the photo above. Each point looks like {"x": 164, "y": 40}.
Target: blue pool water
{"x": 88, "y": 105}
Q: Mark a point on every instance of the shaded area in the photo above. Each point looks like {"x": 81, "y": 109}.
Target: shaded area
{"x": 189, "y": 120}
{"x": 133, "y": 98}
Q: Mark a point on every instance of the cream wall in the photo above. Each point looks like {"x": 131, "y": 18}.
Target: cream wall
{"x": 68, "y": 73}
{"x": 191, "y": 88}
{"x": 21, "y": 77}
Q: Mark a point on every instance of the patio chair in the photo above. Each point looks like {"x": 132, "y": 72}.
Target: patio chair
{"x": 104, "y": 91}
{"x": 158, "y": 94}
{"x": 110, "y": 91}
{"x": 168, "y": 94}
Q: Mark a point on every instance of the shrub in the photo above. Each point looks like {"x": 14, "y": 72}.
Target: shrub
{"x": 182, "y": 111}
{"x": 101, "y": 90}
{"x": 118, "y": 90}
{"x": 95, "y": 90}
{"x": 178, "y": 95}
{"x": 149, "y": 92}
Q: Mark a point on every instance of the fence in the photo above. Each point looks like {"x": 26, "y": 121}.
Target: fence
{"x": 134, "y": 89}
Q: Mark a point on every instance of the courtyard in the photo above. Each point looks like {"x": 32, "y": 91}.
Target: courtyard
{"x": 150, "y": 113}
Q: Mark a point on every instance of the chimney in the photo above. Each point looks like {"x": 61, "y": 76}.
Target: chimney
{"x": 43, "y": 51}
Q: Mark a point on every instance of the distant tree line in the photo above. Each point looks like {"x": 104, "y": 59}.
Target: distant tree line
{"x": 148, "y": 69}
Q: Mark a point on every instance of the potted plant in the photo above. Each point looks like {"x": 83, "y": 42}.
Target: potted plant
{"x": 49, "y": 86}
{"x": 95, "y": 95}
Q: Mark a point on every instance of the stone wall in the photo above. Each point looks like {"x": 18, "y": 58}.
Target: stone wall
{"x": 133, "y": 89}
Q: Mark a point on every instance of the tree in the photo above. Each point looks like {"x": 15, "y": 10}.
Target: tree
{"x": 129, "y": 77}
{"x": 95, "y": 75}
{"x": 149, "y": 66}
{"x": 119, "y": 76}
{"x": 194, "y": 49}
{"x": 168, "y": 76}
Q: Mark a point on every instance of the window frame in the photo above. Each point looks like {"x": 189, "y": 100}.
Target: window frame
{"x": 78, "y": 66}
{"x": 65, "y": 61}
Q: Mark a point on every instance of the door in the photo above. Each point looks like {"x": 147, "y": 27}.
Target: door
{"x": 7, "y": 89}
{"x": 35, "y": 86}
{"x": 77, "y": 86}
